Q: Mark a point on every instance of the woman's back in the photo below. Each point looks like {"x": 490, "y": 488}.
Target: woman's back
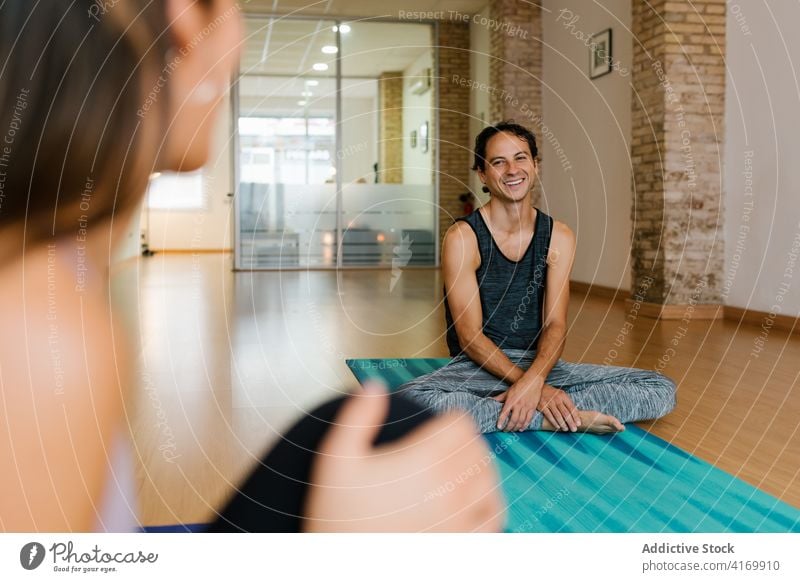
{"x": 62, "y": 369}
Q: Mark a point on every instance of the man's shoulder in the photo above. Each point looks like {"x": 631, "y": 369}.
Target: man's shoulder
{"x": 461, "y": 230}
{"x": 562, "y": 231}
{"x": 562, "y": 242}
{"x": 460, "y": 242}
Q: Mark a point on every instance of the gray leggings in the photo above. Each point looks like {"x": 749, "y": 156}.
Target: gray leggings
{"x": 630, "y": 394}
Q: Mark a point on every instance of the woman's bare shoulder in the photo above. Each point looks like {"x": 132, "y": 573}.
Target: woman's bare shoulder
{"x": 61, "y": 394}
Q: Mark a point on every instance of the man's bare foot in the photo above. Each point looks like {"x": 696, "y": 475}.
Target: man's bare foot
{"x": 593, "y": 422}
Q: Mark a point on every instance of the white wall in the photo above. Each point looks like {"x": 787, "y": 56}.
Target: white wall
{"x": 417, "y": 109}
{"x": 762, "y": 210}
{"x": 209, "y": 229}
{"x": 590, "y": 188}
{"x": 359, "y": 136}
{"x": 478, "y": 100}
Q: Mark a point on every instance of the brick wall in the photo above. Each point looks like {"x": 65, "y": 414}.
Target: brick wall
{"x": 390, "y": 161}
{"x": 515, "y": 68}
{"x": 676, "y": 150}
{"x": 453, "y": 142}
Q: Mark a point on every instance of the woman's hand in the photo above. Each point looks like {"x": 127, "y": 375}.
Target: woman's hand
{"x": 440, "y": 477}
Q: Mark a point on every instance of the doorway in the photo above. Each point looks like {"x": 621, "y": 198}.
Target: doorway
{"x": 335, "y": 153}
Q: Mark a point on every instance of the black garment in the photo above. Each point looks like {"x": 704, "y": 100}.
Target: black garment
{"x": 273, "y": 497}
{"x": 511, "y": 292}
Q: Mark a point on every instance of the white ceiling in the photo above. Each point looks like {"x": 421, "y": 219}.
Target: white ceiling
{"x": 279, "y": 51}
{"x": 281, "y": 46}
{"x": 290, "y": 47}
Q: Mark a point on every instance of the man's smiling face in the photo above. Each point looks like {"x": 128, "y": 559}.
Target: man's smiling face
{"x": 510, "y": 170}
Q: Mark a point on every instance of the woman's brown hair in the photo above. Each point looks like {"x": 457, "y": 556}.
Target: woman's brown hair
{"x": 74, "y": 77}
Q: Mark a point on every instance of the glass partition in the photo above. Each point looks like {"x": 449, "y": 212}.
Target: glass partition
{"x": 287, "y": 189}
{"x": 334, "y": 159}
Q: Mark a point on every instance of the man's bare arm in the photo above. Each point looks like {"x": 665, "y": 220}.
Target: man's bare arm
{"x": 554, "y": 333}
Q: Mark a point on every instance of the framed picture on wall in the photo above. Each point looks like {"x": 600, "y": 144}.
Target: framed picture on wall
{"x": 423, "y": 137}
{"x": 600, "y": 54}
{"x": 414, "y": 138}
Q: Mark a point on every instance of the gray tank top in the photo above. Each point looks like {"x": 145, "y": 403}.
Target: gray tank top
{"x": 512, "y": 292}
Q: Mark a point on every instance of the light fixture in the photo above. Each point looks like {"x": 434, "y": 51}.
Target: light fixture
{"x": 312, "y": 82}
{"x": 306, "y": 93}
{"x": 302, "y": 102}
{"x": 330, "y": 49}
{"x": 344, "y": 29}
{"x": 320, "y": 67}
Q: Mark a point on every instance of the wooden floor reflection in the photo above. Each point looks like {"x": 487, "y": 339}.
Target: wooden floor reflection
{"x": 229, "y": 360}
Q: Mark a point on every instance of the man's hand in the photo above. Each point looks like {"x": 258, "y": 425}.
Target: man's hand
{"x": 520, "y": 402}
{"x": 558, "y": 408}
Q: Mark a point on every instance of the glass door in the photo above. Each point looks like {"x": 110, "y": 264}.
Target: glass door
{"x": 334, "y": 156}
{"x": 388, "y": 197}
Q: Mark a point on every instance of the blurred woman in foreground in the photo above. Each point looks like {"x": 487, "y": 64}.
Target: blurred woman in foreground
{"x": 94, "y": 97}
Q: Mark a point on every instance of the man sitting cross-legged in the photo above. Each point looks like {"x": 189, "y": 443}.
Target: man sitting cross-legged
{"x": 506, "y": 273}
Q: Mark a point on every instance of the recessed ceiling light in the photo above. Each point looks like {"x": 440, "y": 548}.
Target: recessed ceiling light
{"x": 312, "y": 82}
{"x": 306, "y": 93}
{"x": 329, "y": 49}
{"x": 303, "y": 102}
{"x": 344, "y": 29}
{"x": 320, "y": 67}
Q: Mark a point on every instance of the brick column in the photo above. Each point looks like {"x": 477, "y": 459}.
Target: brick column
{"x": 452, "y": 144}
{"x": 390, "y": 160}
{"x": 515, "y": 68}
{"x": 676, "y": 151}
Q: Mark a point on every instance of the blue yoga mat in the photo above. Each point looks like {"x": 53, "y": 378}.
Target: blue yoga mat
{"x": 629, "y": 482}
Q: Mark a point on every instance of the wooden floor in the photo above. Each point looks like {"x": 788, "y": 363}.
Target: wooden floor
{"x": 229, "y": 360}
